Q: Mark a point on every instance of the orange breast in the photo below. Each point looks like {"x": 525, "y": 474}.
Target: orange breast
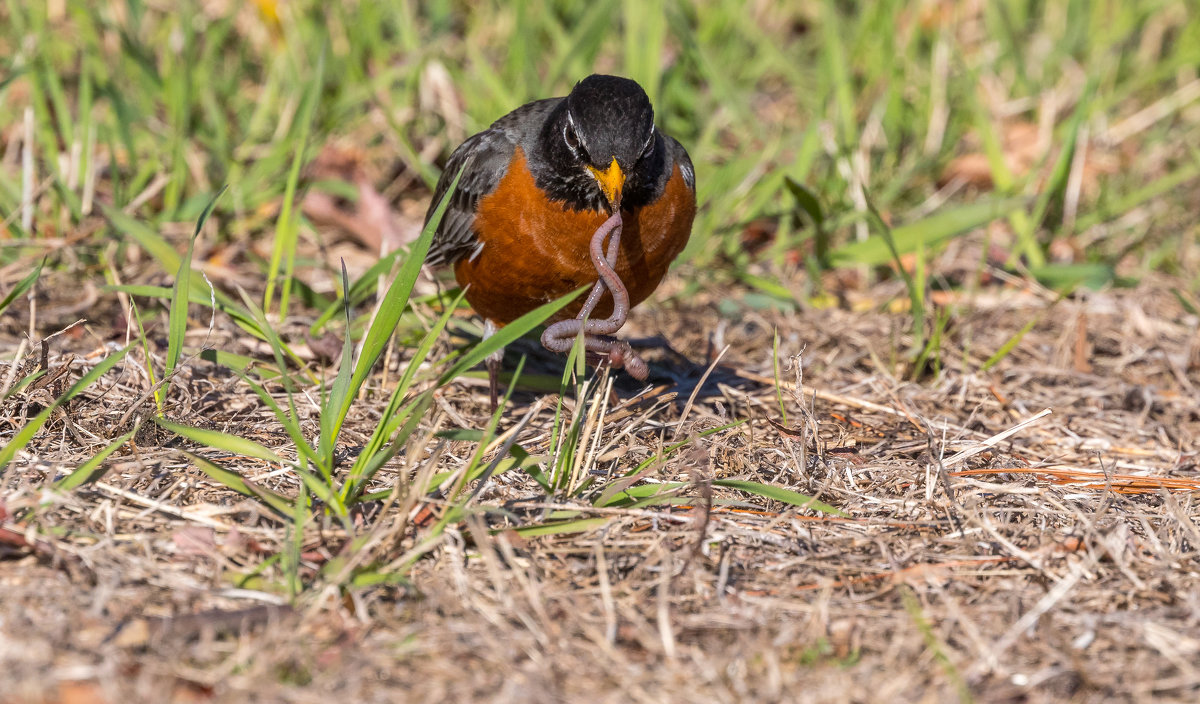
{"x": 535, "y": 250}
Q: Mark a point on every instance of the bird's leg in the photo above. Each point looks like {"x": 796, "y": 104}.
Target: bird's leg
{"x": 493, "y": 366}
{"x": 561, "y": 335}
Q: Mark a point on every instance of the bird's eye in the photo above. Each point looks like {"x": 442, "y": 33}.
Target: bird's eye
{"x": 570, "y": 137}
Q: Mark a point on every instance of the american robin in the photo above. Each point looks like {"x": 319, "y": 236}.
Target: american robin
{"x": 542, "y": 189}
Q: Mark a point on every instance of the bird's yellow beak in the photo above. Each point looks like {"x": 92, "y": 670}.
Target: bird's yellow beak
{"x": 611, "y": 182}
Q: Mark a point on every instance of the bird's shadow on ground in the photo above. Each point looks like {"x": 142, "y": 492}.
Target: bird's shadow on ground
{"x": 669, "y": 367}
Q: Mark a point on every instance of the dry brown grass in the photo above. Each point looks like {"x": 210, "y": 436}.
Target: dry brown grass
{"x": 1058, "y": 563}
{"x": 987, "y": 550}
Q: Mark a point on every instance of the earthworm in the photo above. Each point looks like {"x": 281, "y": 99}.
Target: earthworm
{"x": 561, "y": 335}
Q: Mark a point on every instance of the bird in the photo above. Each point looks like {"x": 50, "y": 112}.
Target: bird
{"x": 540, "y": 191}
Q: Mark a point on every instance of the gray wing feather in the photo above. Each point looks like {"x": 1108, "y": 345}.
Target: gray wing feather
{"x": 488, "y": 155}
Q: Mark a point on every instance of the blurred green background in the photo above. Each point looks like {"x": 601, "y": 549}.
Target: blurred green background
{"x": 1070, "y": 129}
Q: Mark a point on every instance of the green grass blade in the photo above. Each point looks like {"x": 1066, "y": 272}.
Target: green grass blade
{"x": 91, "y": 470}
{"x": 278, "y": 349}
{"x": 1009, "y": 345}
{"x": 360, "y": 474}
{"x": 1066, "y": 277}
{"x": 295, "y": 544}
{"x": 237, "y": 362}
{"x": 393, "y": 305}
{"x": 275, "y": 501}
{"x": 283, "y": 253}
{"x": 290, "y": 424}
{"x": 778, "y": 385}
{"x": 778, "y": 493}
{"x": 839, "y": 72}
{"x": 927, "y": 232}
{"x": 362, "y": 287}
{"x": 638, "y": 494}
{"x": 561, "y": 527}
{"x": 201, "y": 294}
{"x": 1136, "y": 198}
{"x": 645, "y": 31}
{"x": 634, "y": 475}
{"x": 22, "y": 384}
{"x": 218, "y": 440}
{"x": 1057, "y": 182}
{"x": 145, "y": 236}
{"x": 177, "y": 325}
{"x": 507, "y": 334}
{"x": 22, "y": 286}
{"x": 341, "y": 387}
{"x": 394, "y": 414}
{"x": 26, "y": 433}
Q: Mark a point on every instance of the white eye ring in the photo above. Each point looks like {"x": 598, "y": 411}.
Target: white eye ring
{"x": 571, "y": 135}
{"x": 649, "y": 142}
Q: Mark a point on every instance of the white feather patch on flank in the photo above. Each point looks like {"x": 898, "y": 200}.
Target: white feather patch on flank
{"x": 689, "y": 177}
{"x": 490, "y": 328}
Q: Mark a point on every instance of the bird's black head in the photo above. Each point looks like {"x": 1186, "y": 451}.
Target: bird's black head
{"x": 604, "y": 131}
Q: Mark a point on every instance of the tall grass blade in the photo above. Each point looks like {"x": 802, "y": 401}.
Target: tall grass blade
{"x": 283, "y": 253}
{"x": 393, "y": 305}
{"x": 341, "y": 386}
{"x": 177, "y": 325}
{"x": 295, "y": 544}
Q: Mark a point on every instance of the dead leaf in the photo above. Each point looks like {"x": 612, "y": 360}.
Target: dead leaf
{"x": 195, "y": 541}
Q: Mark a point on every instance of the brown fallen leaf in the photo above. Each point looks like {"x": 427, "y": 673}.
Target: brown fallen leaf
{"x": 80, "y": 692}
{"x": 791, "y": 433}
{"x": 1024, "y": 150}
{"x": 371, "y": 219}
{"x": 195, "y": 541}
